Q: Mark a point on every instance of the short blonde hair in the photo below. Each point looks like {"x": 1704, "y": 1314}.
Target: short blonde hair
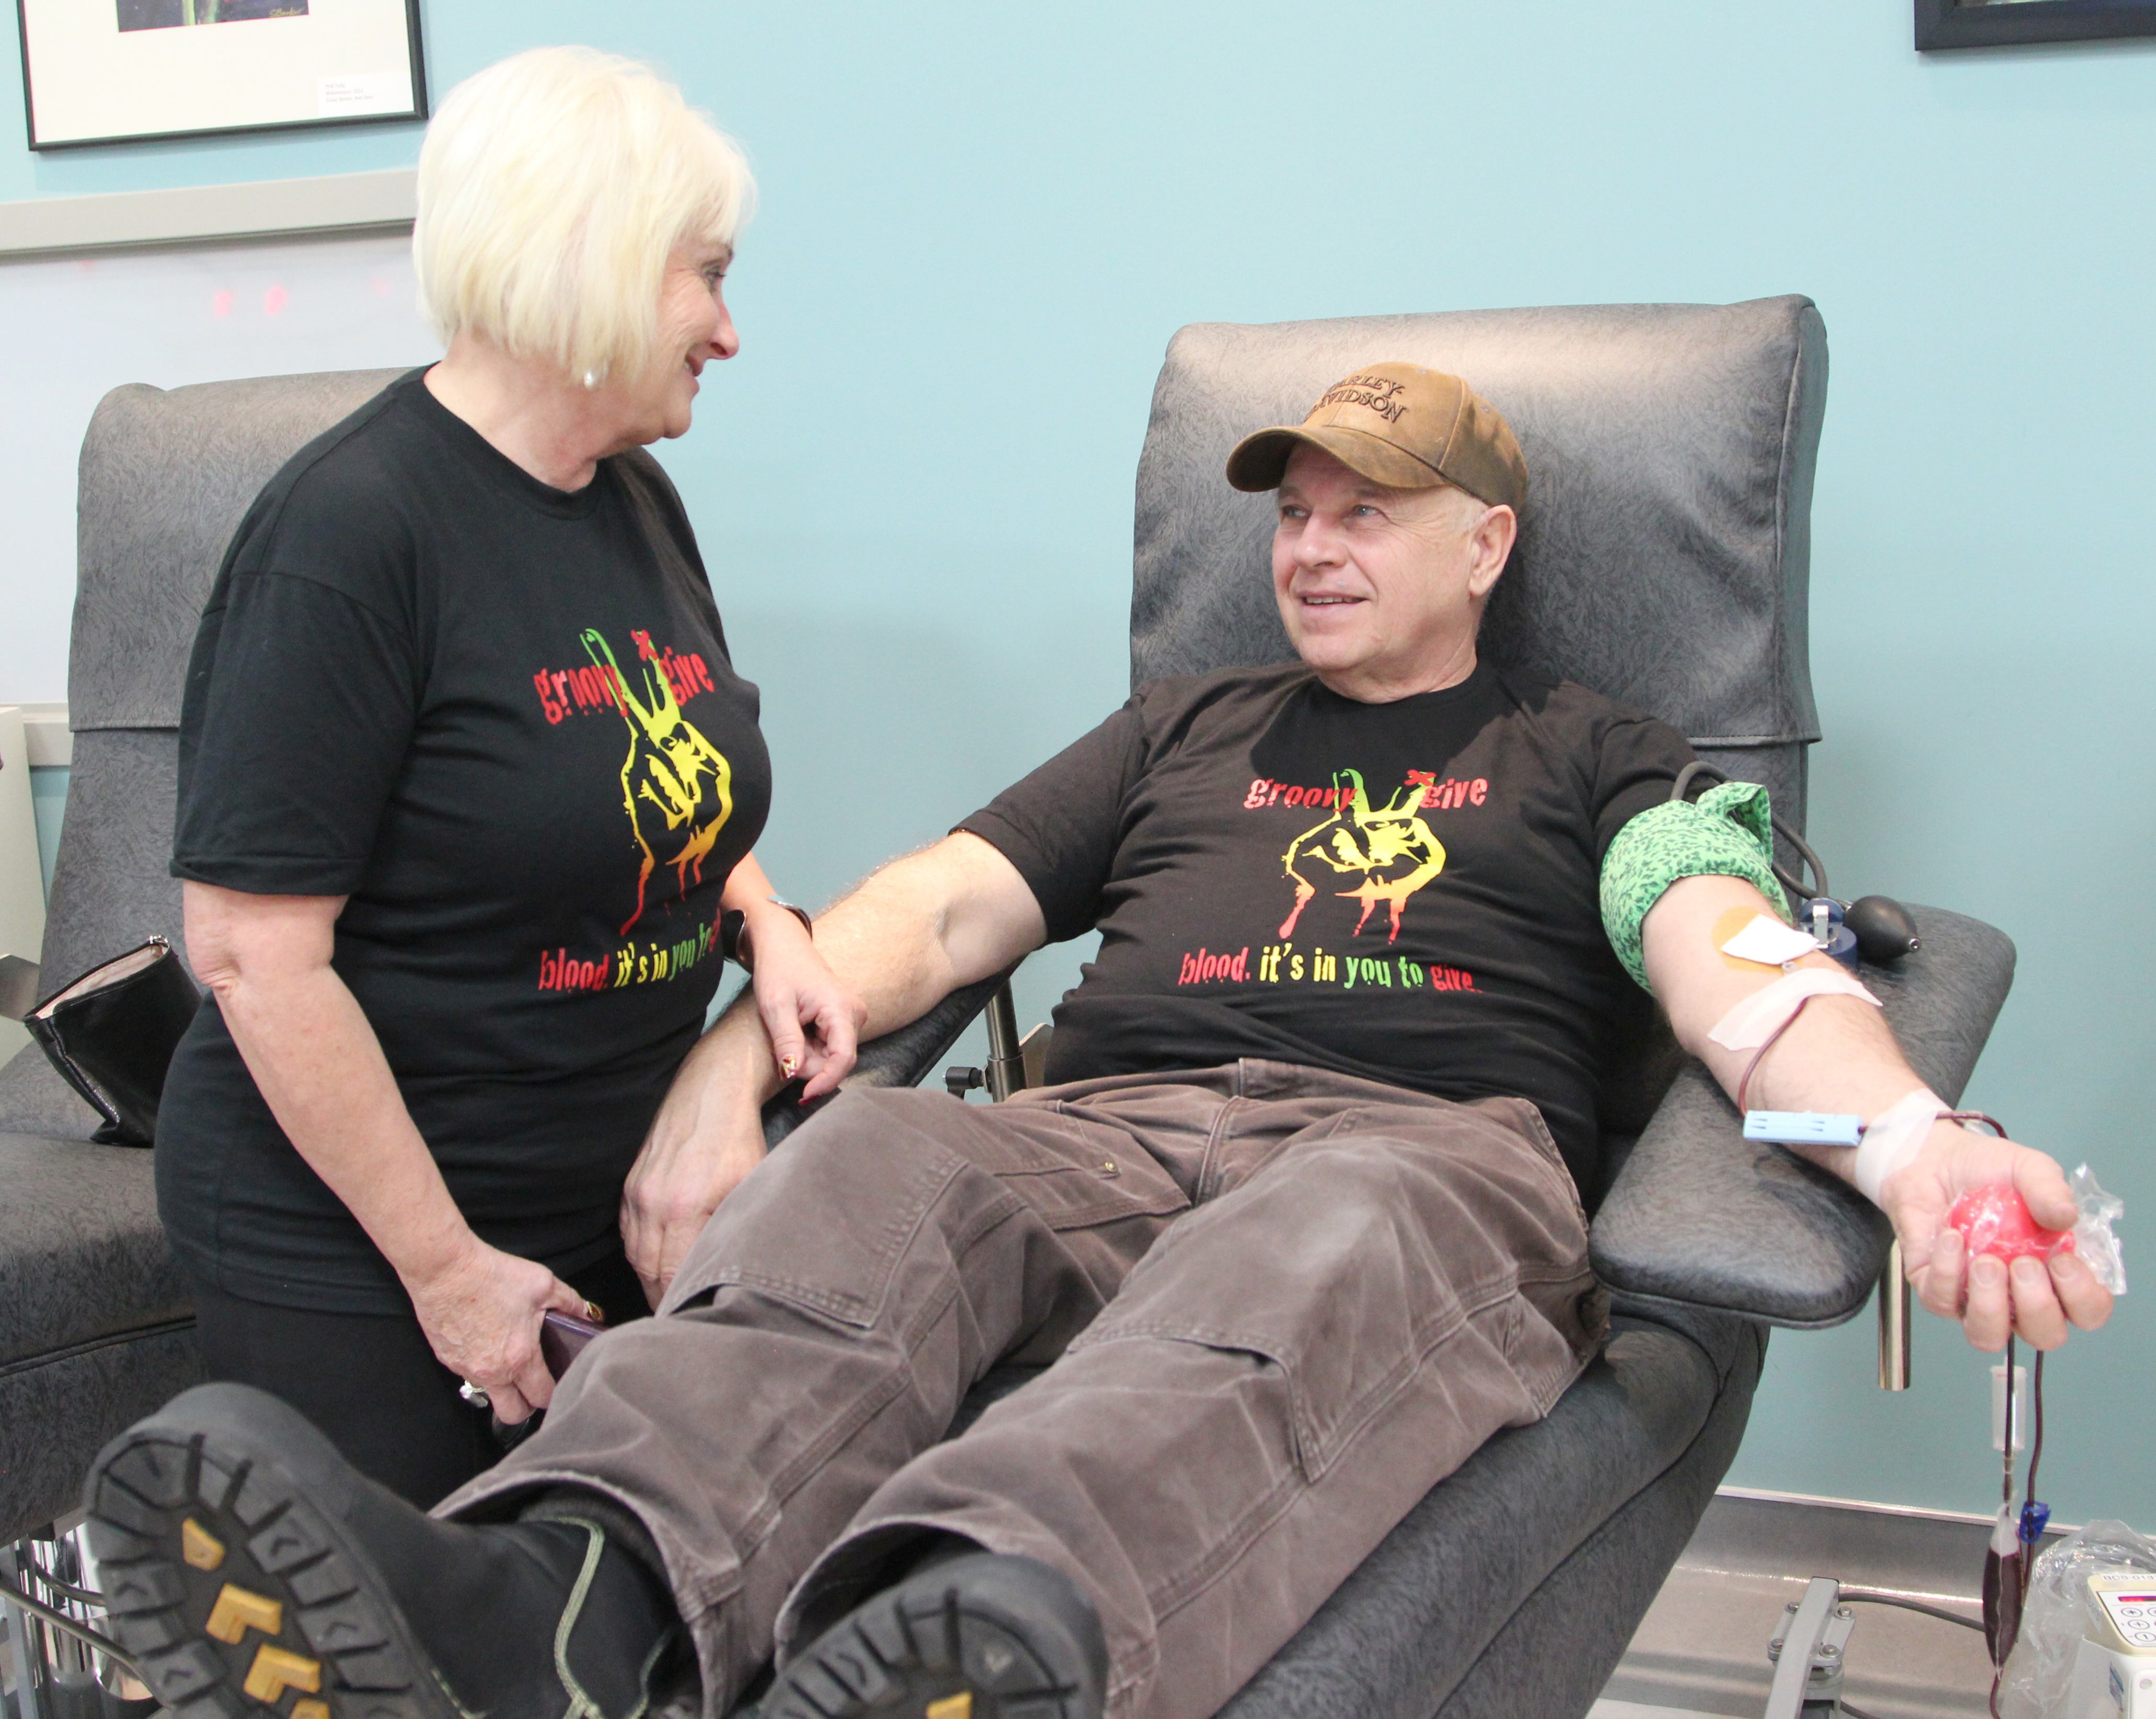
{"x": 553, "y": 187}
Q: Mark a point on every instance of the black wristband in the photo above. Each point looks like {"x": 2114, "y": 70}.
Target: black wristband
{"x": 733, "y": 924}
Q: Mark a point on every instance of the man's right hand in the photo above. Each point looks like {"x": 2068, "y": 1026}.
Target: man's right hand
{"x": 481, "y": 1315}
{"x": 707, "y": 1136}
{"x": 918, "y": 929}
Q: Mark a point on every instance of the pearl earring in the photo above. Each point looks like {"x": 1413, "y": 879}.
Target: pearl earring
{"x": 591, "y": 379}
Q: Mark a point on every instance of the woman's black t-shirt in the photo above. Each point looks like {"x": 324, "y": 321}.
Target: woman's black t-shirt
{"x": 499, "y": 718}
{"x": 1405, "y": 891}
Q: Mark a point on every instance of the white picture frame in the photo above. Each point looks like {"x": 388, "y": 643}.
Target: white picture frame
{"x": 113, "y": 71}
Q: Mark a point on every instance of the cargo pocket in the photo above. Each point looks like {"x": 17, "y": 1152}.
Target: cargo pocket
{"x": 822, "y": 1226}
{"x": 1344, "y": 1297}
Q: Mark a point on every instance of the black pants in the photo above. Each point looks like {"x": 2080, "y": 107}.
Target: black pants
{"x": 372, "y": 1384}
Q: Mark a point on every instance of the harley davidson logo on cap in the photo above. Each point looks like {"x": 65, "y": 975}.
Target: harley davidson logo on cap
{"x": 1400, "y": 425}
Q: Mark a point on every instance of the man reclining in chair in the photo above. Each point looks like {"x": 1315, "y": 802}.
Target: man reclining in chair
{"x": 1297, "y": 1228}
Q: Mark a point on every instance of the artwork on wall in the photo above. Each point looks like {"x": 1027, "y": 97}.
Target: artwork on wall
{"x": 1996, "y": 24}
{"x": 113, "y": 71}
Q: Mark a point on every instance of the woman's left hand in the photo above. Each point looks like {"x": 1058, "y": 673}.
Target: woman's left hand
{"x": 813, "y": 1021}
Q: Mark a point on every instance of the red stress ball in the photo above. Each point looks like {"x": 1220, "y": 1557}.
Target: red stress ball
{"x": 1996, "y": 1221}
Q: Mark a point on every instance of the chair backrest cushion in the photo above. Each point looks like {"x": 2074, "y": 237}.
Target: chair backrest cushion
{"x": 166, "y": 477}
{"x": 1664, "y": 548}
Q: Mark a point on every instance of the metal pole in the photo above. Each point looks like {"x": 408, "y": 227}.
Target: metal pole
{"x": 1006, "y": 1058}
{"x": 29, "y": 1661}
{"x": 1894, "y": 1323}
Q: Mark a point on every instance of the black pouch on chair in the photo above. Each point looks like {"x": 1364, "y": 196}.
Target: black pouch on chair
{"x": 111, "y": 1034}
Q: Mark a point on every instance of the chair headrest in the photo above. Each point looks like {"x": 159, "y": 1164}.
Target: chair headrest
{"x": 1665, "y": 549}
{"x": 166, "y": 475}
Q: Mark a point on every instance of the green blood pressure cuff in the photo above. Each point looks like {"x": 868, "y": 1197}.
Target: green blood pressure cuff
{"x": 1727, "y": 832}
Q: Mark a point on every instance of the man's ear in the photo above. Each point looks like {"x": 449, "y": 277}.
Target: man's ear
{"x": 1492, "y": 541}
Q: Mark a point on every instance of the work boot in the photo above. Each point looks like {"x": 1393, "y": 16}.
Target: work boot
{"x": 984, "y": 1635}
{"x": 248, "y": 1569}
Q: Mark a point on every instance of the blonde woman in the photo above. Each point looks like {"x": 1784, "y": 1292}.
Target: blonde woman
{"x": 469, "y": 787}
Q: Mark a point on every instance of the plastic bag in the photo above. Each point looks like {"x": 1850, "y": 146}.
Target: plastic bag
{"x": 2093, "y": 1240}
{"x": 2040, "y": 1676}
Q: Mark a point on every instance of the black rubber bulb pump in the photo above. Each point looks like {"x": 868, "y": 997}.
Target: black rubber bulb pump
{"x": 1884, "y": 930}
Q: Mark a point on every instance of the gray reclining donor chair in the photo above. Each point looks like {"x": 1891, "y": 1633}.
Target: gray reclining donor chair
{"x": 1663, "y": 560}
{"x": 95, "y": 1328}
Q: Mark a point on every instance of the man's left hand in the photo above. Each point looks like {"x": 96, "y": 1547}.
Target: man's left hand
{"x": 2032, "y": 1299}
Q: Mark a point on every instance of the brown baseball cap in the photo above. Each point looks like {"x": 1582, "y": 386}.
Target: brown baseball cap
{"x": 1400, "y": 425}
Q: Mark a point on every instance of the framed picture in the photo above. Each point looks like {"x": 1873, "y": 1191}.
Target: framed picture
{"x": 113, "y": 71}
{"x": 1996, "y": 23}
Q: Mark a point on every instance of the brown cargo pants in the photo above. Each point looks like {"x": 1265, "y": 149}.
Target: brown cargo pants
{"x": 1281, "y": 1304}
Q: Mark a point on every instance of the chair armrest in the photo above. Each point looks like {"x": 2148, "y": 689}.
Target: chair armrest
{"x": 899, "y": 1058}
{"x": 1698, "y": 1216}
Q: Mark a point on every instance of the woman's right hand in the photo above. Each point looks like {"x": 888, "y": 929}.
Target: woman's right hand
{"x": 482, "y": 1315}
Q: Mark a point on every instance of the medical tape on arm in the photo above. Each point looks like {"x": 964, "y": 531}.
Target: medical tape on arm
{"x": 1893, "y": 1137}
{"x": 1758, "y": 1018}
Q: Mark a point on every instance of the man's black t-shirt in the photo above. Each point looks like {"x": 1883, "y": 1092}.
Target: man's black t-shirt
{"x": 500, "y": 719}
{"x": 1406, "y": 891}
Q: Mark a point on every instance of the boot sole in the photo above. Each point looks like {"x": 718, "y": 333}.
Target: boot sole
{"x": 929, "y": 1649}
{"x": 235, "y": 1594}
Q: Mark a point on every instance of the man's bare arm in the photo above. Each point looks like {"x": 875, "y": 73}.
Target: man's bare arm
{"x": 910, "y": 934}
{"x": 926, "y": 925}
{"x": 1840, "y": 1056}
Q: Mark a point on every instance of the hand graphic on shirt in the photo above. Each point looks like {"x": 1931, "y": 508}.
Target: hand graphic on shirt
{"x": 675, "y": 781}
{"x": 1391, "y": 847}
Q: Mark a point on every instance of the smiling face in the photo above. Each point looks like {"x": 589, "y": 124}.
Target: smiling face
{"x": 1381, "y": 589}
{"x": 693, "y": 328}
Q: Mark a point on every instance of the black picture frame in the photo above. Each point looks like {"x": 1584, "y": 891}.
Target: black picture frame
{"x": 1955, "y": 24}
{"x": 418, "y": 111}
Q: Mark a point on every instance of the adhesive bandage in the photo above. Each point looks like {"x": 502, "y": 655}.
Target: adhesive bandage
{"x": 1892, "y": 1138}
{"x": 1756, "y": 1019}
{"x": 1769, "y": 942}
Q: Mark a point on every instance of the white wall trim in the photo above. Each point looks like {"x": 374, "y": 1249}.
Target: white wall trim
{"x": 46, "y": 735}
{"x": 334, "y": 203}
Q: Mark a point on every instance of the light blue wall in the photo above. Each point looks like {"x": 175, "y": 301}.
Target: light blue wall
{"x": 982, "y": 222}
{"x": 49, "y": 808}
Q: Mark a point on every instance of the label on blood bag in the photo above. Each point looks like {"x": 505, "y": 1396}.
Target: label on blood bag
{"x": 2132, "y": 1612}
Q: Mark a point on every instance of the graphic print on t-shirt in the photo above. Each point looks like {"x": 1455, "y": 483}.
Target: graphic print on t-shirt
{"x": 1185, "y": 830}
{"x": 676, "y": 792}
{"x": 1385, "y": 852}
{"x": 1390, "y": 849}
{"x": 668, "y": 762}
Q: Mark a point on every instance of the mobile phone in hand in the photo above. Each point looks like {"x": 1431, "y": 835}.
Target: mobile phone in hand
{"x": 563, "y": 1337}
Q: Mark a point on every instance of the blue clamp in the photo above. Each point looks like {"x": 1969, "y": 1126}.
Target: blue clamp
{"x": 1802, "y": 1128}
